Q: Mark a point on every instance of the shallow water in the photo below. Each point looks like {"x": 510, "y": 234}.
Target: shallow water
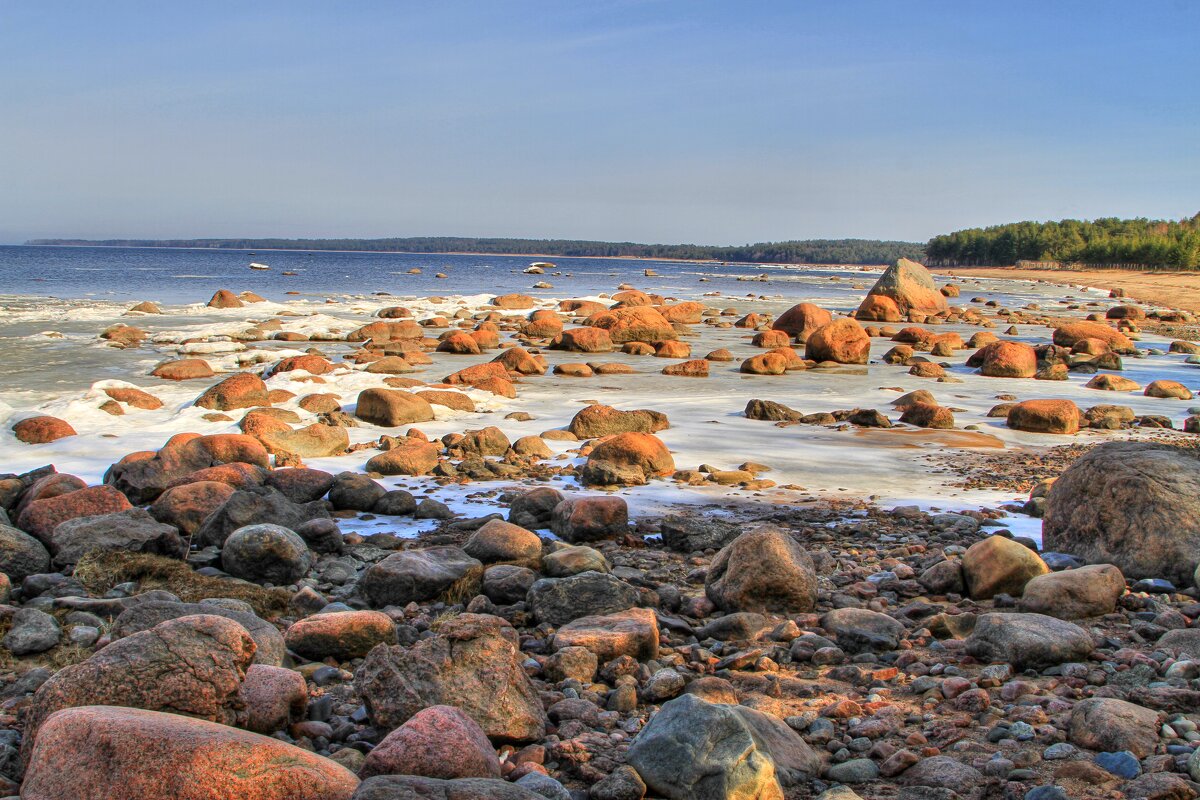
{"x": 54, "y": 363}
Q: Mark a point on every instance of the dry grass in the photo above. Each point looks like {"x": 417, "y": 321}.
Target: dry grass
{"x": 465, "y": 588}
{"x": 100, "y": 571}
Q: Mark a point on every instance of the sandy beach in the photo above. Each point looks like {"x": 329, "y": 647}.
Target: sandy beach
{"x": 1161, "y": 288}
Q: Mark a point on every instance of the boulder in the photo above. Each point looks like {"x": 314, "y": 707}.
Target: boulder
{"x": 533, "y": 509}
{"x": 223, "y": 298}
{"x": 594, "y": 421}
{"x": 253, "y": 506}
{"x": 274, "y": 697}
{"x": 133, "y": 530}
{"x": 144, "y": 476}
{"x": 762, "y": 571}
{"x": 42, "y": 429}
{"x": 240, "y": 390}
{"x": 636, "y": 324}
{"x": 632, "y": 633}
{"x": 629, "y": 459}
{"x": 1090, "y": 591}
{"x": 1112, "y": 383}
{"x": 859, "y": 630}
{"x": 695, "y": 750}
{"x": 420, "y": 575}
{"x": 566, "y": 561}
{"x": 1028, "y": 640}
{"x": 801, "y": 320}
{"x": 32, "y": 631}
{"x": 997, "y": 565}
{"x": 842, "y": 340}
{"x": 1045, "y": 416}
{"x": 1072, "y": 333}
{"x": 583, "y": 340}
{"x": 410, "y": 456}
{"x": 437, "y": 742}
{"x": 192, "y": 665}
{"x": 356, "y": 492}
{"x": 557, "y": 601}
{"x": 1111, "y": 725}
{"x": 910, "y": 286}
{"x": 42, "y": 516}
{"x": 506, "y": 584}
{"x": 268, "y": 641}
{"x": 770, "y": 411}
{"x": 1171, "y": 390}
{"x": 107, "y": 753}
{"x": 590, "y": 519}
{"x": 415, "y": 787}
{"x": 391, "y": 408}
{"x": 312, "y": 441}
{"x": 300, "y": 484}
{"x": 21, "y": 555}
{"x": 689, "y": 535}
{"x": 341, "y": 635}
{"x": 1008, "y": 360}
{"x": 470, "y": 665}
{"x": 877, "y": 308}
{"x": 183, "y": 369}
{"x": 1131, "y": 504}
{"x": 266, "y": 553}
{"x": 941, "y": 772}
{"x": 500, "y": 541}
{"x": 187, "y": 506}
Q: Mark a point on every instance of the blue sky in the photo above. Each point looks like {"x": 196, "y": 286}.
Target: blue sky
{"x": 642, "y": 120}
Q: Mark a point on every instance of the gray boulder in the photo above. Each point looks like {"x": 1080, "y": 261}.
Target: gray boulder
{"x": 268, "y": 641}
{"x": 419, "y": 575}
{"x": 266, "y": 553}
{"x": 1028, "y": 640}
{"x": 252, "y": 506}
{"x": 133, "y": 530}
{"x": 557, "y": 601}
{"x": 21, "y": 555}
{"x": 32, "y": 631}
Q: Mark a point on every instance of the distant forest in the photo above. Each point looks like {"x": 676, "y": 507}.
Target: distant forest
{"x": 1161, "y": 244}
{"x": 814, "y": 251}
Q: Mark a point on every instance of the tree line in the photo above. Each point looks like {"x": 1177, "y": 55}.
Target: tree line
{"x": 809, "y": 251}
{"x": 1161, "y": 244}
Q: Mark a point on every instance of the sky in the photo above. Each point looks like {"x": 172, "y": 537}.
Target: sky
{"x": 629, "y": 120}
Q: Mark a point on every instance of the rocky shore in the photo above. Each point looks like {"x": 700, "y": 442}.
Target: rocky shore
{"x": 333, "y": 577}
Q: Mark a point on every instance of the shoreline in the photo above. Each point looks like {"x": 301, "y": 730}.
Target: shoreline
{"x": 1178, "y": 290}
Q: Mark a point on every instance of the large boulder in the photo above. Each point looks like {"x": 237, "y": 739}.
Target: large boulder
{"x": 392, "y": 407}
{"x": 1089, "y": 591}
{"x": 910, "y": 286}
{"x": 1110, "y": 725}
{"x": 762, "y": 571}
{"x": 689, "y": 535}
{"x": 191, "y": 665}
{"x": 534, "y": 509}
{"x": 187, "y": 506}
{"x": 419, "y": 575}
{"x": 266, "y": 553}
{"x": 240, "y": 390}
{"x": 268, "y": 641}
{"x": 632, "y": 633}
{"x": 801, "y": 320}
{"x": 842, "y": 340}
{"x": 695, "y": 750}
{"x": 1072, "y": 333}
{"x": 1135, "y": 505}
{"x": 312, "y": 441}
{"x": 627, "y": 459}
{"x": 1045, "y": 416}
{"x": 438, "y": 742}
{"x": 42, "y": 429}
{"x": 144, "y": 476}
{"x": 21, "y": 555}
{"x": 636, "y": 324}
{"x": 470, "y": 665}
{"x": 253, "y": 506}
{"x": 1028, "y": 640}
{"x": 583, "y": 340}
{"x": 499, "y": 541}
{"x": 997, "y": 565}
{"x": 102, "y": 752}
{"x": 133, "y": 530}
{"x": 341, "y": 635}
{"x": 859, "y": 630}
{"x": 1006, "y": 360}
{"x": 557, "y": 601}
{"x": 40, "y": 517}
{"x": 590, "y": 519}
{"x": 594, "y": 421}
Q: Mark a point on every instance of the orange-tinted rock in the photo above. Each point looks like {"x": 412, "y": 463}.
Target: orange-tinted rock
{"x": 383, "y": 332}
{"x": 456, "y": 400}
{"x": 928, "y": 415}
{"x": 696, "y": 368}
{"x": 1112, "y": 383}
{"x": 542, "y": 325}
{"x": 1068, "y": 334}
{"x": 341, "y": 635}
{"x": 134, "y": 397}
{"x": 240, "y": 390}
{"x": 275, "y": 697}
{"x": 1008, "y": 360}
{"x": 590, "y": 519}
{"x": 320, "y": 403}
{"x": 672, "y": 349}
{"x": 582, "y": 308}
{"x": 183, "y": 369}
{"x": 801, "y": 320}
{"x": 598, "y": 420}
{"x": 842, "y": 340}
{"x": 911, "y": 287}
{"x": 686, "y": 313}
{"x": 225, "y": 299}
{"x": 771, "y": 338}
{"x": 499, "y": 386}
{"x": 521, "y": 361}
{"x": 633, "y": 297}
{"x": 583, "y": 340}
{"x": 1168, "y": 389}
{"x": 43, "y": 429}
{"x": 392, "y": 407}
{"x": 628, "y": 458}
{"x": 1045, "y": 416}
{"x": 632, "y": 633}
{"x": 410, "y": 457}
{"x": 764, "y": 364}
{"x": 107, "y": 753}
{"x": 476, "y": 374}
{"x": 636, "y": 324}
{"x": 317, "y": 365}
{"x": 41, "y": 517}
{"x": 877, "y": 308}
{"x": 458, "y": 343}
{"x": 513, "y": 301}
{"x": 437, "y": 742}
{"x": 573, "y": 370}
{"x": 188, "y": 505}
